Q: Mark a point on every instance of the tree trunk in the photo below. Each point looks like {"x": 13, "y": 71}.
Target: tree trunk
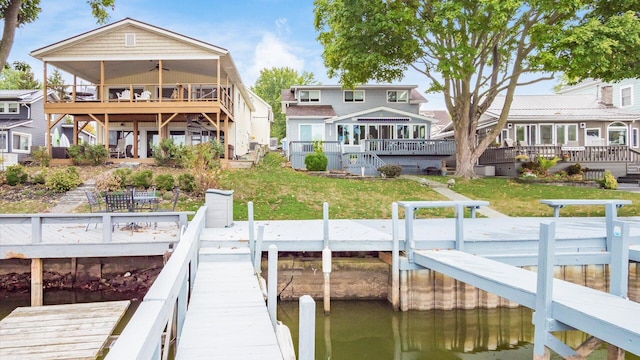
{"x": 9, "y": 31}
{"x": 465, "y": 160}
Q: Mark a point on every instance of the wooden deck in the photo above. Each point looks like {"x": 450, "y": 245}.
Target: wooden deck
{"x": 71, "y": 331}
{"x": 603, "y": 315}
{"x": 227, "y": 316}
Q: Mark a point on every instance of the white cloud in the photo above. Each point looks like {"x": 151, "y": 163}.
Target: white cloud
{"x": 282, "y": 25}
{"x": 271, "y": 52}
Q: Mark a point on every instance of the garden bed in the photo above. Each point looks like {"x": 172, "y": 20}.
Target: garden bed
{"x": 558, "y": 182}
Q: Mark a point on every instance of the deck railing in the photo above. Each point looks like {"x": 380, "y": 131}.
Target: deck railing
{"x": 166, "y": 301}
{"x": 411, "y": 147}
{"x": 568, "y": 153}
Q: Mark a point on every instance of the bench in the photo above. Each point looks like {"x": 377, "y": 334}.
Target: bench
{"x": 610, "y": 205}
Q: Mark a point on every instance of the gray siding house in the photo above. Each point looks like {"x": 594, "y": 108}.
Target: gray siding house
{"x": 623, "y": 95}
{"x": 23, "y": 124}
{"x": 363, "y": 128}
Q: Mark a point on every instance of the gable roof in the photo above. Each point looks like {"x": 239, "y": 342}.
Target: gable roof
{"x": 363, "y": 113}
{"x": 23, "y": 96}
{"x": 322, "y": 111}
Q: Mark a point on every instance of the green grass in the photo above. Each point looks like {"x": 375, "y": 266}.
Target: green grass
{"x": 517, "y": 199}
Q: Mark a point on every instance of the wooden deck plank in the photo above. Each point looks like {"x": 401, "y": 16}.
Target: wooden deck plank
{"x": 227, "y": 316}
{"x": 601, "y": 314}
{"x": 69, "y": 331}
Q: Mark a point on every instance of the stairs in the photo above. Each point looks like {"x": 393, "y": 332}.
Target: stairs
{"x": 224, "y": 254}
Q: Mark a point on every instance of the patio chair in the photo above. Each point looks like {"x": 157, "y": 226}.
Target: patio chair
{"x": 120, "y": 149}
{"x": 119, "y": 202}
{"x": 145, "y": 199}
{"x": 174, "y": 202}
{"x": 125, "y": 95}
{"x": 95, "y": 205}
{"x": 143, "y": 96}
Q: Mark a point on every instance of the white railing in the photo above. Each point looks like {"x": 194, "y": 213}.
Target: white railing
{"x": 144, "y": 337}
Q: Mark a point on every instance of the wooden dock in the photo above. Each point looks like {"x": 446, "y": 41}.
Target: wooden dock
{"x": 70, "y": 331}
{"x": 227, "y": 317}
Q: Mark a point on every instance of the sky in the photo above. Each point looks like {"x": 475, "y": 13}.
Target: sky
{"x": 258, "y": 33}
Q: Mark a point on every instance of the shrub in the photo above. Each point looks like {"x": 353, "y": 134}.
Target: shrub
{"x": 609, "y": 181}
{"x": 123, "y": 174}
{"x": 142, "y": 179}
{"x": 168, "y": 153}
{"x": 109, "y": 182}
{"x": 38, "y": 178}
{"x": 533, "y": 167}
{"x": 187, "y": 182}
{"x": 390, "y": 171}
{"x": 316, "y": 161}
{"x": 86, "y": 154}
{"x": 165, "y": 182}
{"x": 15, "y": 175}
{"x": 575, "y": 169}
{"x": 41, "y": 157}
{"x": 63, "y": 180}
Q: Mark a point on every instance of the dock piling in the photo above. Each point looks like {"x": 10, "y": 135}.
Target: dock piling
{"x": 36, "y": 282}
{"x": 272, "y": 293}
{"x": 306, "y": 340}
{"x": 326, "y": 271}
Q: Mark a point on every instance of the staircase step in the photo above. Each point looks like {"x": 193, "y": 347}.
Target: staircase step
{"x": 225, "y": 254}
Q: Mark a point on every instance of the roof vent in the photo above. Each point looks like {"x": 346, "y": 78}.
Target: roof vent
{"x": 129, "y": 39}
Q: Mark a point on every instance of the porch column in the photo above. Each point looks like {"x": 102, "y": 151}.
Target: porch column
{"x": 106, "y": 132}
{"x": 47, "y": 141}
{"x": 74, "y": 141}
{"x": 102, "y": 97}
{"x": 135, "y": 139}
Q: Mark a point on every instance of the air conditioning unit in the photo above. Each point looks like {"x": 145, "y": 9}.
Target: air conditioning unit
{"x": 273, "y": 143}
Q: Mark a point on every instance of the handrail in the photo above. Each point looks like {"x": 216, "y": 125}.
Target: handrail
{"x": 141, "y": 338}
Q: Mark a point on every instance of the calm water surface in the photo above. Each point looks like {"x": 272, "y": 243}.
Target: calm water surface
{"x": 372, "y": 330}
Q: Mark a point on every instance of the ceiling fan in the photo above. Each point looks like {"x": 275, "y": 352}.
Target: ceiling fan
{"x": 157, "y": 67}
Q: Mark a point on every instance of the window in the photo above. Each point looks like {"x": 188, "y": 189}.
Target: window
{"x": 592, "y": 137}
{"x": 309, "y": 95}
{"x": 21, "y": 142}
{"x": 526, "y": 134}
{"x": 635, "y": 142}
{"x": 566, "y": 133}
{"x": 546, "y": 134}
{"x": 617, "y": 134}
{"x": 354, "y": 96}
{"x": 311, "y": 132}
{"x": 626, "y": 96}
{"x": 397, "y": 96}
{"x": 9, "y": 108}
{"x": 3, "y": 141}
{"x": 359, "y": 132}
{"x": 419, "y": 131}
{"x": 343, "y": 134}
{"x": 402, "y": 131}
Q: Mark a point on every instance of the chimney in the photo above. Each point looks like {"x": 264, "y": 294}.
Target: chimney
{"x": 606, "y": 96}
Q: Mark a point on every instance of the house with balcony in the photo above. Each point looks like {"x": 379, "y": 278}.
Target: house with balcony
{"x": 362, "y": 129}
{"x": 139, "y": 83}
{"x": 578, "y": 128}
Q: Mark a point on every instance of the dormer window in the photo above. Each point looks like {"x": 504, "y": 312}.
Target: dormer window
{"x": 354, "y": 96}
{"x": 309, "y": 96}
{"x": 397, "y": 96}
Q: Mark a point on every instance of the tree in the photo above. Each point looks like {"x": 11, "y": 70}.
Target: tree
{"x": 269, "y": 86}
{"x": 475, "y": 50}
{"x": 55, "y": 82}
{"x": 16, "y": 13}
{"x": 20, "y": 77}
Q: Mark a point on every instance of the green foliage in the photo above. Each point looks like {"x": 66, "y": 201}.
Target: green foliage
{"x": 55, "y": 82}
{"x": 123, "y": 175}
{"x": 547, "y": 164}
{"x": 318, "y": 146}
{"x": 204, "y": 162}
{"x": 41, "y": 156}
{"x": 187, "y": 182}
{"x": 168, "y": 153}
{"x": 63, "y": 179}
{"x": 87, "y": 154}
{"x": 316, "y": 161}
{"x": 15, "y": 175}
{"x": 609, "y": 181}
{"x": 142, "y": 179}
{"x": 390, "y": 171}
{"x": 269, "y": 86}
{"x": 575, "y": 169}
{"x": 38, "y": 177}
{"x": 165, "y": 182}
{"x": 533, "y": 167}
{"x": 20, "y": 77}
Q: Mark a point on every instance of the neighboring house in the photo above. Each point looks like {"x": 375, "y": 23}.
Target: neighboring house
{"x": 372, "y": 124}
{"x": 581, "y": 127}
{"x": 442, "y": 117}
{"x": 624, "y": 94}
{"x": 23, "y": 123}
{"x": 143, "y": 83}
{"x": 261, "y": 120}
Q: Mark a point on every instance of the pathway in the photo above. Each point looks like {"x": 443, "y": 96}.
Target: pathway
{"x": 445, "y": 191}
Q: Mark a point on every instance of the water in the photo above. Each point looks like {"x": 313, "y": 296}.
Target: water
{"x": 372, "y": 330}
